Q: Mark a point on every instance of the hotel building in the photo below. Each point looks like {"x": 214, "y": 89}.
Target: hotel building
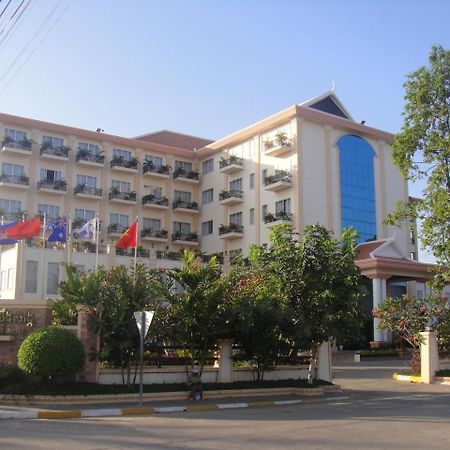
{"x": 310, "y": 163}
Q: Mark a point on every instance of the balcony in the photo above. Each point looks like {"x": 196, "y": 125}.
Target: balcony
{"x": 170, "y": 256}
{"x": 119, "y": 163}
{"x": 148, "y": 234}
{"x": 185, "y": 238}
{"x": 157, "y": 171}
{"x": 231, "y": 165}
{"x": 232, "y": 231}
{"x": 122, "y": 197}
{"x": 152, "y": 201}
{"x": 59, "y": 153}
{"x": 282, "y": 179}
{"x": 14, "y": 181}
{"x": 182, "y": 175}
{"x": 231, "y": 197}
{"x": 90, "y": 159}
{"x": 115, "y": 229}
{"x": 81, "y": 190}
{"x": 141, "y": 252}
{"x": 278, "y": 146}
{"x": 18, "y": 147}
{"x": 278, "y": 218}
{"x": 188, "y": 207}
{"x": 52, "y": 187}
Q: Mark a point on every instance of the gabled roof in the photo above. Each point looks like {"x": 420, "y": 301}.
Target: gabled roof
{"x": 380, "y": 248}
{"x": 329, "y": 103}
{"x": 173, "y": 139}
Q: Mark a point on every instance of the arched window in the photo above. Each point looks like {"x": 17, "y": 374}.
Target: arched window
{"x": 357, "y": 186}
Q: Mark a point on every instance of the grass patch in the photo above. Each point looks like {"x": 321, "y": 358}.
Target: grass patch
{"x": 379, "y": 353}
{"x": 112, "y": 389}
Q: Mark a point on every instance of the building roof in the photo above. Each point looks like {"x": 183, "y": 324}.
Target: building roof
{"x": 328, "y": 102}
{"x": 174, "y": 139}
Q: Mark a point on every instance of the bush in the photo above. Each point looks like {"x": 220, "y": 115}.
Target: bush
{"x": 51, "y": 353}
{"x": 11, "y": 375}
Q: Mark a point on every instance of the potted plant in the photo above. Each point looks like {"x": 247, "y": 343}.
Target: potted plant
{"x": 60, "y": 185}
{"x": 26, "y": 143}
{"x": 282, "y": 138}
{"x": 7, "y": 140}
{"x": 179, "y": 171}
{"x": 117, "y": 161}
{"x": 268, "y": 143}
{"x": 132, "y": 163}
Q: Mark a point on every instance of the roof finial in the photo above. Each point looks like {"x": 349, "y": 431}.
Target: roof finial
{"x": 333, "y": 86}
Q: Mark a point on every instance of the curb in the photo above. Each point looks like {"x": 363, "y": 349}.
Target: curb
{"x": 410, "y": 378}
{"x": 137, "y": 411}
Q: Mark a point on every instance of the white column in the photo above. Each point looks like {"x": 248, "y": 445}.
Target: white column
{"x": 378, "y": 335}
{"x": 429, "y": 356}
{"x": 225, "y": 362}
{"x": 325, "y": 368}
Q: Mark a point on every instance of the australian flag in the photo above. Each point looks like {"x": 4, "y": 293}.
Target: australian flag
{"x": 58, "y": 231}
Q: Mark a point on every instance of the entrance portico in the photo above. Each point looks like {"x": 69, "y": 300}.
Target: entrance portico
{"x": 381, "y": 262}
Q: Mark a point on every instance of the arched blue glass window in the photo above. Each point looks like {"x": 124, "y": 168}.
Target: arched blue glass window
{"x": 357, "y": 186}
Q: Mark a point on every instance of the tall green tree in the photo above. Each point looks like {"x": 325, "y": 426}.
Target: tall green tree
{"x": 318, "y": 282}
{"x": 422, "y": 151}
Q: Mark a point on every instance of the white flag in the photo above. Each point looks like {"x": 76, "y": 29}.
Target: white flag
{"x": 87, "y": 231}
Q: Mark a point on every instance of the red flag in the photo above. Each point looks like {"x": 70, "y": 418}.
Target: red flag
{"x": 26, "y": 229}
{"x": 128, "y": 239}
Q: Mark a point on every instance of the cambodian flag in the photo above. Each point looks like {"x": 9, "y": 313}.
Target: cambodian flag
{"x": 59, "y": 233}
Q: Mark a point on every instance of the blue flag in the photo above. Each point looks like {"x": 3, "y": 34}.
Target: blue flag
{"x": 3, "y": 238}
{"x": 58, "y": 233}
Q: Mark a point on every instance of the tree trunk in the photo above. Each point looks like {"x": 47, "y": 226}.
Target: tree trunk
{"x": 312, "y": 363}
{"x": 415, "y": 361}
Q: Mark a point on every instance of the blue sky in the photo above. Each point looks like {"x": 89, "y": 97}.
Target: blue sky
{"x": 208, "y": 68}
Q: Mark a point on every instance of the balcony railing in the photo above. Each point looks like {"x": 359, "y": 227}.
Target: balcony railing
{"x": 141, "y": 252}
{"x": 159, "y": 170}
{"x": 150, "y": 233}
{"x": 84, "y": 155}
{"x": 154, "y": 200}
{"x": 116, "y": 228}
{"x": 178, "y": 204}
{"x": 231, "y": 161}
{"x": 171, "y": 256}
{"x": 188, "y": 237}
{"x": 191, "y": 175}
{"x": 269, "y": 218}
{"x": 58, "y": 185}
{"x": 25, "y": 144}
{"x": 88, "y": 190}
{"x": 62, "y": 152}
{"x": 126, "y": 164}
{"x": 232, "y": 193}
{"x": 128, "y": 196}
{"x": 14, "y": 179}
{"x": 279, "y": 176}
{"x": 232, "y": 228}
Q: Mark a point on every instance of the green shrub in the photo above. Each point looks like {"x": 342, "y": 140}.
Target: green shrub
{"x": 11, "y": 375}
{"x": 51, "y": 353}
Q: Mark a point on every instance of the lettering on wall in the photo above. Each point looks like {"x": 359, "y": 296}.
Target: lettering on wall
{"x": 15, "y": 322}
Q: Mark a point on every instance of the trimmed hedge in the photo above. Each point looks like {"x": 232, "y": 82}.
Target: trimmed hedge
{"x": 50, "y": 353}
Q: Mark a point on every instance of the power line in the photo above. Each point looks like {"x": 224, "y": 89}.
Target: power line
{"x": 7, "y": 29}
{"x": 5, "y": 8}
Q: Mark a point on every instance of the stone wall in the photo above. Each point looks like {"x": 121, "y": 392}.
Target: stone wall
{"x": 16, "y": 323}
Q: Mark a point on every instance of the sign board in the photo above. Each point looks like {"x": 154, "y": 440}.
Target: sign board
{"x": 147, "y": 320}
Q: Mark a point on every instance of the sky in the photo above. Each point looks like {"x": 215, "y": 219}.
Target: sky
{"x": 211, "y": 67}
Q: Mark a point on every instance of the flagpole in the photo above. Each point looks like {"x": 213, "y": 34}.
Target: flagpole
{"x": 69, "y": 240}
{"x": 96, "y": 240}
{"x": 1, "y": 253}
{"x": 135, "y": 248}
{"x": 43, "y": 255}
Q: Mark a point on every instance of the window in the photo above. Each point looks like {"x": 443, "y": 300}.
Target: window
{"x": 84, "y": 214}
{"x": 119, "y": 219}
{"x": 236, "y": 218}
{"x": 3, "y": 280}
{"x": 207, "y": 228}
{"x": 208, "y": 166}
{"x": 121, "y": 186}
{"x": 119, "y": 153}
{"x": 13, "y": 170}
{"x": 152, "y": 224}
{"x": 93, "y": 149}
{"x": 207, "y": 196}
{"x": 264, "y": 175}
{"x": 187, "y": 166}
{"x": 251, "y": 149}
{"x": 10, "y": 279}
{"x": 156, "y": 160}
{"x": 51, "y": 211}
{"x": 264, "y": 211}
{"x": 15, "y": 135}
{"x": 183, "y": 196}
{"x": 55, "y": 142}
{"x": 87, "y": 181}
{"x": 156, "y": 191}
{"x": 252, "y": 216}
{"x": 236, "y": 184}
{"x": 182, "y": 227}
{"x": 283, "y": 206}
{"x": 10, "y": 206}
{"x": 252, "y": 181}
{"x": 52, "y": 278}
{"x": 31, "y": 277}
{"x": 50, "y": 175}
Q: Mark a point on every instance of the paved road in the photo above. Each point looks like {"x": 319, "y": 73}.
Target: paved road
{"x": 380, "y": 414}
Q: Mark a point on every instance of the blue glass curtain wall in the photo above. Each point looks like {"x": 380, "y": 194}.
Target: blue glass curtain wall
{"x": 357, "y": 186}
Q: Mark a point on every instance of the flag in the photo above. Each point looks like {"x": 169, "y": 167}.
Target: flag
{"x": 58, "y": 231}
{"x": 3, "y": 237}
{"x": 26, "y": 229}
{"x": 87, "y": 232}
{"x": 128, "y": 239}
